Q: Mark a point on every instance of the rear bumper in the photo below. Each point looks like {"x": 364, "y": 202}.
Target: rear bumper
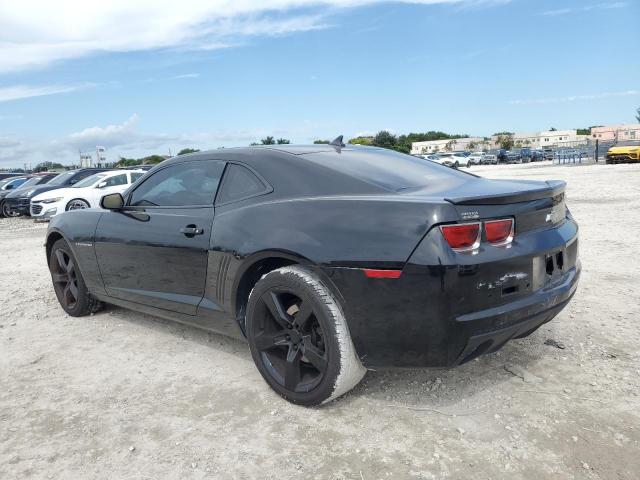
{"x": 516, "y": 320}
{"x": 444, "y": 311}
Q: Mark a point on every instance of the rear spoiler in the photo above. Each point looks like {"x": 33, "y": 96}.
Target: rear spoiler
{"x": 554, "y": 187}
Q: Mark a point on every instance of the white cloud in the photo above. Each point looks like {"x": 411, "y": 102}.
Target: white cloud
{"x": 35, "y": 34}
{"x": 17, "y": 92}
{"x": 574, "y": 98}
{"x": 586, "y": 8}
{"x": 186, "y": 75}
{"x": 124, "y": 139}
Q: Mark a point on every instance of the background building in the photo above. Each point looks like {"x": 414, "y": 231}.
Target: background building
{"x": 448, "y": 145}
{"x": 618, "y": 133}
{"x": 549, "y": 138}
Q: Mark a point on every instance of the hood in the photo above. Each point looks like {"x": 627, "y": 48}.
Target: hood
{"x": 51, "y": 193}
{"x": 36, "y": 190}
{"x": 627, "y": 149}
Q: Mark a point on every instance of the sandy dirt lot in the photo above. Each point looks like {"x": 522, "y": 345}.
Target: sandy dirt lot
{"x": 121, "y": 395}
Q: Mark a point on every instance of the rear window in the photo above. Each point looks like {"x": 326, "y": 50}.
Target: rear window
{"x": 388, "y": 169}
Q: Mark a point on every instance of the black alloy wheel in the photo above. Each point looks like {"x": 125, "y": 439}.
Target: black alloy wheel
{"x": 291, "y": 341}
{"x": 65, "y": 280}
{"x": 68, "y": 283}
{"x": 299, "y": 338}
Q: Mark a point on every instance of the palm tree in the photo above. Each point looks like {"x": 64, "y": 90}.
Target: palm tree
{"x": 449, "y": 146}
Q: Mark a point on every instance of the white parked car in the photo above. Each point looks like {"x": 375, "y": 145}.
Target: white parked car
{"x": 451, "y": 159}
{"x": 475, "y": 159}
{"x": 489, "y": 159}
{"x": 84, "y": 194}
{"x": 432, "y": 157}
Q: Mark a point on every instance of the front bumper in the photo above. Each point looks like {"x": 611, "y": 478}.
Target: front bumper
{"x": 19, "y": 205}
{"x": 623, "y": 158}
{"x": 44, "y": 211}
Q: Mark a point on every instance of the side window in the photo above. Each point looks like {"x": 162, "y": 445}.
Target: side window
{"x": 184, "y": 184}
{"x": 135, "y": 176}
{"x": 117, "y": 180}
{"x": 239, "y": 182}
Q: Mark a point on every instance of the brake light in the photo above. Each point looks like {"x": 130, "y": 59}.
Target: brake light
{"x": 371, "y": 273}
{"x": 499, "y": 232}
{"x": 462, "y": 237}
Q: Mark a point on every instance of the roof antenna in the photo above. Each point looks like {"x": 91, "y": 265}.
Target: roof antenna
{"x": 337, "y": 142}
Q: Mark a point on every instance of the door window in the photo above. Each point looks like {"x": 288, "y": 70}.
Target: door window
{"x": 184, "y": 184}
{"x": 116, "y": 180}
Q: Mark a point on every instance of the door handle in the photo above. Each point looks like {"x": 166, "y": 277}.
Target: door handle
{"x": 191, "y": 231}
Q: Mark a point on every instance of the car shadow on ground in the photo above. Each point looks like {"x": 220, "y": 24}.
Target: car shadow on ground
{"x": 196, "y": 335}
{"x": 424, "y": 387}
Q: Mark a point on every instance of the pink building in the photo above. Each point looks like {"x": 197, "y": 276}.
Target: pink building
{"x": 620, "y": 133}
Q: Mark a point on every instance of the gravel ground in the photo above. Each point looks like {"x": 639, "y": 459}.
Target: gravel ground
{"x": 124, "y": 395}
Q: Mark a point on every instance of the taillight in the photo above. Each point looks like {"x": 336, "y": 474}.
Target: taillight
{"x": 499, "y": 232}
{"x": 462, "y": 237}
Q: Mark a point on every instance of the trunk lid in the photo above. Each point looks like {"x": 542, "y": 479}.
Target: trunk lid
{"x": 533, "y": 204}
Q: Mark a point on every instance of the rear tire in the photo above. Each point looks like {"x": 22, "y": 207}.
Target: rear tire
{"x": 299, "y": 338}
{"x": 68, "y": 283}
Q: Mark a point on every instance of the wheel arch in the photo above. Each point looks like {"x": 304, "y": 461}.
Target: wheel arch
{"x": 52, "y": 238}
{"x": 258, "y": 265}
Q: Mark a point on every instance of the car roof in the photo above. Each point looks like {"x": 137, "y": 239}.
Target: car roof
{"x": 308, "y": 170}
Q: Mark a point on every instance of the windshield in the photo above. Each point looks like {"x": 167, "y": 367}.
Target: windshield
{"x": 31, "y": 181}
{"x": 62, "y": 178}
{"x": 89, "y": 181}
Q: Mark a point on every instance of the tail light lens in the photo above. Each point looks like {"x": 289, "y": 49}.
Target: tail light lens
{"x": 499, "y": 232}
{"x": 462, "y": 237}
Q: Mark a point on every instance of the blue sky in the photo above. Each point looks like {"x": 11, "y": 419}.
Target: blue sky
{"x": 151, "y": 78}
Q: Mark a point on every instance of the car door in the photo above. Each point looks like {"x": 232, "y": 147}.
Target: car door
{"x": 154, "y": 251}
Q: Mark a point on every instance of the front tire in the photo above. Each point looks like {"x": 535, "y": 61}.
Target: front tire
{"x": 77, "y": 204}
{"x": 7, "y": 212}
{"x": 68, "y": 283}
{"x": 299, "y": 338}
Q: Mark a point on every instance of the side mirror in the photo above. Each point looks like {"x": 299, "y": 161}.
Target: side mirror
{"x": 101, "y": 185}
{"x": 113, "y": 201}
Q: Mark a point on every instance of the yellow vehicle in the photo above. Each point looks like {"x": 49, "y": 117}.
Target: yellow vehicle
{"x": 624, "y": 153}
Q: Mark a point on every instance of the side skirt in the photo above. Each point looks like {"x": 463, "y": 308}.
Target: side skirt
{"x": 197, "y": 321}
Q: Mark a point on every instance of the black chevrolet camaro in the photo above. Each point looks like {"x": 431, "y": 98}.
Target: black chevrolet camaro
{"x": 327, "y": 259}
